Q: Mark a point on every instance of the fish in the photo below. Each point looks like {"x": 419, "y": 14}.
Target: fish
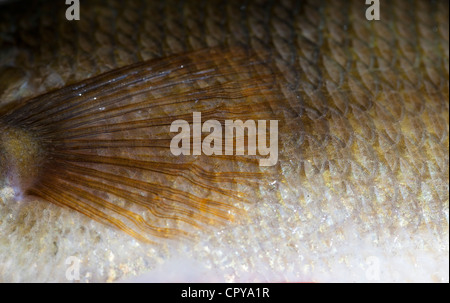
{"x": 361, "y": 177}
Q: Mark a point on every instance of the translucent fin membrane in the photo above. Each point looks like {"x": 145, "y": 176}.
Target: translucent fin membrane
{"x": 107, "y": 142}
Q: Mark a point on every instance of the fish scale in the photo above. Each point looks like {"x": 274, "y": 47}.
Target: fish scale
{"x": 363, "y": 138}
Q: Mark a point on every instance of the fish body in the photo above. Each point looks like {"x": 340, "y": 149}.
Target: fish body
{"x": 361, "y": 180}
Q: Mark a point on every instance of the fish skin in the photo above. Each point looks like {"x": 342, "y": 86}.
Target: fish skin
{"x": 368, "y": 101}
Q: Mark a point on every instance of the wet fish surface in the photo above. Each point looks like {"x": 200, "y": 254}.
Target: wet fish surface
{"x": 361, "y": 181}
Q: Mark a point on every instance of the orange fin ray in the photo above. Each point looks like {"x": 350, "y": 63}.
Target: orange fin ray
{"x": 107, "y": 142}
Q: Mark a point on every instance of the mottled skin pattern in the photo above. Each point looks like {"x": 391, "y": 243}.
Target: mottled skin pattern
{"x": 365, "y": 108}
